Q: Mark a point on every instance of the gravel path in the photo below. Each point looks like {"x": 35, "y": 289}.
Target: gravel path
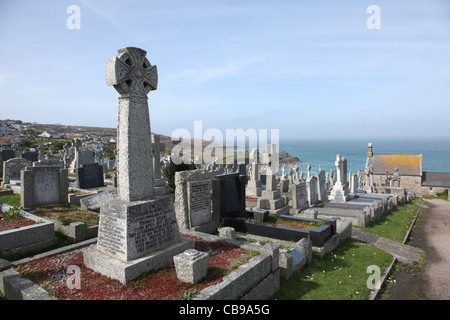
{"x": 432, "y": 234}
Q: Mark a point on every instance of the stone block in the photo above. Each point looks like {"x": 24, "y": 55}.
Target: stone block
{"x": 191, "y": 265}
{"x": 271, "y": 194}
{"x": 260, "y": 215}
{"x": 305, "y": 246}
{"x": 273, "y": 251}
{"x": 227, "y": 232}
{"x": 286, "y": 265}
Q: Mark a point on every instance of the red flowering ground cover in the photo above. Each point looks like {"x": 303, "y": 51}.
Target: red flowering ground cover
{"x": 51, "y": 274}
{"x": 16, "y": 223}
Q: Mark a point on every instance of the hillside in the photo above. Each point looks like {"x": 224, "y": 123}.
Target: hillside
{"x": 285, "y": 158}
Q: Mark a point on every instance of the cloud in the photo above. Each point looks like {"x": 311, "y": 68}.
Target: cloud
{"x": 194, "y": 76}
{"x": 4, "y": 78}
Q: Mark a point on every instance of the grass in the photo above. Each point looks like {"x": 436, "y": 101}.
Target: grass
{"x": 67, "y": 215}
{"x": 340, "y": 275}
{"x": 11, "y": 199}
{"x": 442, "y": 195}
{"x": 395, "y": 224}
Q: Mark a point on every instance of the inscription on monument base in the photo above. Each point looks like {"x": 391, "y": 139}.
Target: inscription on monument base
{"x": 131, "y": 230}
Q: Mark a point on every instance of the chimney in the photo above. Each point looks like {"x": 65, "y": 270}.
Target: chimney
{"x": 370, "y": 153}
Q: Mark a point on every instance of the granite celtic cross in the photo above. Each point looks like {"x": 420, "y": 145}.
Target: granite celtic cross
{"x": 131, "y": 73}
{"x": 133, "y": 77}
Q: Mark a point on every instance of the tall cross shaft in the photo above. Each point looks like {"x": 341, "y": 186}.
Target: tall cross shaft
{"x": 133, "y": 77}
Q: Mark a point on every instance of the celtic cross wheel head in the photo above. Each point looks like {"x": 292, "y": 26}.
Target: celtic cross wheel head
{"x": 131, "y": 73}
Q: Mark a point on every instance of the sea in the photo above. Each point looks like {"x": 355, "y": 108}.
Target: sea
{"x": 435, "y": 152}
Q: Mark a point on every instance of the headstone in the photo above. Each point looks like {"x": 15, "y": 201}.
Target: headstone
{"x": 321, "y": 186}
{"x": 82, "y": 156}
{"x": 31, "y": 156}
{"x": 90, "y": 176}
{"x": 354, "y": 184}
{"x": 299, "y": 197}
{"x": 12, "y": 168}
{"x": 271, "y": 197}
{"x": 228, "y": 195}
{"x": 254, "y": 185}
{"x": 193, "y": 200}
{"x": 85, "y": 156}
{"x": 311, "y": 190}
{"x": 395, "y": 179}
{"x": 331, "y": 181}
{"x": 157, "y": 147}
{"x": 43, "y": 186}
{"x": 284, "y": 184}
{"x": 49, "y": 162}
{"x": 340, "y": 192}
{"x": 137, "y": 231}
{"x": 7, "y": 154}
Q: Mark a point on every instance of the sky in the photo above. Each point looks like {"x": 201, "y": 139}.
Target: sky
{"x": 311, "y": 69}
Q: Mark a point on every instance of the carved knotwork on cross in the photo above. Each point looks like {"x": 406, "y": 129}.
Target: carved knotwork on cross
{"x": 131, "y": 73}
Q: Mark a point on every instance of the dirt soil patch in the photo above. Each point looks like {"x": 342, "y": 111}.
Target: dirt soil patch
{"x": 51, "y": 274}
{"x": 298, "y": 224}
{"x": 14, "y": 224}
{"x": 67, "y": 215}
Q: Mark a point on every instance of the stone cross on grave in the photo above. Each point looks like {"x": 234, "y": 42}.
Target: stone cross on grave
{"x": 138, "y": 230}
{"x": 133, "y": 77}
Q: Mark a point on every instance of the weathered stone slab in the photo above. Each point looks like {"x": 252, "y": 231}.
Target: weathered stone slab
{"x": 402, "y": 252}
{"x": 43, "y": 186}
{"x": 193, "y": 198}
{"x": 12, "y": 168}
{"x": 90, "y": 176}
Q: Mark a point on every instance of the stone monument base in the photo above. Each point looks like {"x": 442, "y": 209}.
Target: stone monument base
{"x": 130, "y": 230}
{"x": 253, "y": 192}
{"x": 272, "y": 201}
{"x": 339, "y": 195}
{"x": 126, "y": 271}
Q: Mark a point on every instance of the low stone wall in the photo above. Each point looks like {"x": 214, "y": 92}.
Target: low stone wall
{"x": 77, "y": 231}
{"x": 18, "y": 243}
{"x": 15, "y": 287}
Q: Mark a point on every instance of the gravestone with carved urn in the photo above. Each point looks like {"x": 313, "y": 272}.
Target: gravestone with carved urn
{"x": 138, "y": 231}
